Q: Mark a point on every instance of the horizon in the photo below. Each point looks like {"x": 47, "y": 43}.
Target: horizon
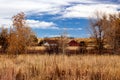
{"x": 51, "y": 18}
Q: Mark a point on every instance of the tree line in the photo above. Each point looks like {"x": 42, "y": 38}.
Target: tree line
{"x": 16, "y": 39}
{"x": 104, "y": 28}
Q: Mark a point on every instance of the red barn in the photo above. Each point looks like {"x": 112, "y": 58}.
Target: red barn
{"x": 73, "y": 43}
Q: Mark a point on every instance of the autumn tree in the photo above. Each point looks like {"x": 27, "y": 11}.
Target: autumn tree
{"x": 4, "y": 39}
{"x": 20, "y": 35}
{"x": 33, "y": 40}
{"x": 113, "y": 31}
{"x": 98, "y": 26}
{"x": 106, "y": 28}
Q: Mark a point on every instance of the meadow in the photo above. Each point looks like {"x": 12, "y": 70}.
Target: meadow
{"x": 60, "y": 67}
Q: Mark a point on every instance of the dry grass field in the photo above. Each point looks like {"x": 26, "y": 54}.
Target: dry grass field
{"x": 60, "y": 67}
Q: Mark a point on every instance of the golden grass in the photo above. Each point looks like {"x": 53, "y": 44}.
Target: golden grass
{"x": 60, "y": 67}
{"x": 37, "y": 48}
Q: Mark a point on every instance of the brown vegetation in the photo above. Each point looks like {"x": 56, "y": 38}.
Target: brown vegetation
{"x": 20, "y": 35}
{"x": 60, "y": 67}
{"x": 106, "y": 30}
{"x": 16, "y": 39}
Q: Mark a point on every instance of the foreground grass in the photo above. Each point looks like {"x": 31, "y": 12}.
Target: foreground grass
{"x": 60, "y": 67}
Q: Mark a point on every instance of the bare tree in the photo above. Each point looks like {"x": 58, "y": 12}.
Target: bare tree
{"x": 63, "y": 41}
{"x": 106, "y": 28}
{"x": 97, "y": 26}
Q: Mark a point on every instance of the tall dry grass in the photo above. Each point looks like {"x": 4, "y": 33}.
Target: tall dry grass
{"x": 60, "y": 67}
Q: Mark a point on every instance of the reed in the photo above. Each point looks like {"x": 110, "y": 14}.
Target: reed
{"x": 60, "y": 67}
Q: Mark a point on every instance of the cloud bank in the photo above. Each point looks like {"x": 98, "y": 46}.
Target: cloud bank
{"x": 65, "y": 9}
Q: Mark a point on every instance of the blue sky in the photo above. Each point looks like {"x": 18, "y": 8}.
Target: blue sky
{"x": 49, "y": 18}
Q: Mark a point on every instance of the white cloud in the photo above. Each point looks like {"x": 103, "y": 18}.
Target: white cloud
{"x": 72, "y": 29}
{"x": 41, "y": 24}
{"x": 5, "y": 23}
{"x": 86, "y": 11}
{"x": 52, "y": 35}
{"x": 9, "y": 8}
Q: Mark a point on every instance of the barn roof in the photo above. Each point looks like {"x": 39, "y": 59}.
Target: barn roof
{"x": 73, "y": 43}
